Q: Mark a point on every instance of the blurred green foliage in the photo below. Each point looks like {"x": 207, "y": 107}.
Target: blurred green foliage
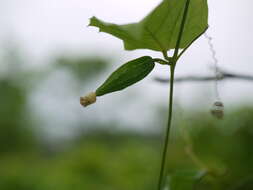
{"x": 219, "y": 151}
{"x": 17, "y": 83}
{"x": 82, "y": 68}
{"x": 14, "y": 133}
{"x": 104, "y": 160}
{"x": 223, "y": 149}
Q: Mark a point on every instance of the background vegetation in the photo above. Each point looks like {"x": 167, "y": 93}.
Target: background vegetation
{"x": 104, "y": 156}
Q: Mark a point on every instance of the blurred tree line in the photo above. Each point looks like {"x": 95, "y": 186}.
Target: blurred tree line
{"x": 110, "y": 159}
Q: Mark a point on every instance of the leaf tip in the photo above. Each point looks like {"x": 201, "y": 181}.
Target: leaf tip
{"x": 93, "y": 20}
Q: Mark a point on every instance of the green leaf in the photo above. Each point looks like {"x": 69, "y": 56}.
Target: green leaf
{"x": 185, "y": 180}
{"x": 159, "y": 30}
{"x": 126, "y": 75}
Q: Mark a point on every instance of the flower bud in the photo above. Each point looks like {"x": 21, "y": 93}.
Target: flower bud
{"x": 88, "y": 99}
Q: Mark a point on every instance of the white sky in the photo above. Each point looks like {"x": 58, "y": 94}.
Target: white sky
{"x": 46, "y": 27}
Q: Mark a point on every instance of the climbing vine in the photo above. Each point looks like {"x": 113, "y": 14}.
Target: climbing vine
{"x": 171, "y": 26}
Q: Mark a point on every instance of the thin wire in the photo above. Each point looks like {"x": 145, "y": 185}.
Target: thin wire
{"x": 215, "y": 63}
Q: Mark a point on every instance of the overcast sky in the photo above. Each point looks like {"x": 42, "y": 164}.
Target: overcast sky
{"x": 46, "y": 27}
{"x": 43, "y": 27}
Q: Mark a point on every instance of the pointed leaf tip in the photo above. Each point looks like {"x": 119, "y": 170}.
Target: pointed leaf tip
{"x": 91, "y": 21}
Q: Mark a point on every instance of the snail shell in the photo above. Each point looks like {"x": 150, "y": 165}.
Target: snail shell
{"x": 218, "y": 110}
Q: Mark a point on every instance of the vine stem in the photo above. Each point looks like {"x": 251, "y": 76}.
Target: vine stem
{"x": 163, "y": 163}
{"x": 173, "y": 63}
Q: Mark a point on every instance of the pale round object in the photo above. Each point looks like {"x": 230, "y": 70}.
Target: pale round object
{"x": 88, "y": 99}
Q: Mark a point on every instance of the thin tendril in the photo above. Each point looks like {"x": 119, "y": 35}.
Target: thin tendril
{"x": 215, "y": 63}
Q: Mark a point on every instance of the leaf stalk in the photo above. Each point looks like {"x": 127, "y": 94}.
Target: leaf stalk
{"x": 161, "y": 61}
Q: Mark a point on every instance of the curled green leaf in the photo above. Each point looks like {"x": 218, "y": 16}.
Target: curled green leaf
{"x": 126, "y": 75}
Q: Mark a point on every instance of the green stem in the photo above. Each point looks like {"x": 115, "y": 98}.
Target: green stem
{"x": 165, "y": 149}
{"x": 172, "y": 71}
